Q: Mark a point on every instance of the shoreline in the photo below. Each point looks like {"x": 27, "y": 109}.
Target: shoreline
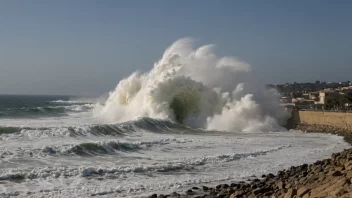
{"x": 318, "y": 128}
{"x": 330, "y": 177}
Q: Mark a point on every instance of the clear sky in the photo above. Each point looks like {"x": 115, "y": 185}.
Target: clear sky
{"x": 86, "y": 47}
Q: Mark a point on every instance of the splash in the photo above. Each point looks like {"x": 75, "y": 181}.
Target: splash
{"x": 199, "y": 89}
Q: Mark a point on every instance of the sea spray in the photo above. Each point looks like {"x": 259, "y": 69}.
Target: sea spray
{"x": 197, "y": 88}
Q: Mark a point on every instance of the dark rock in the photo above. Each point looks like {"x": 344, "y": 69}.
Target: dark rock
{"x": 205, "y": 188}
{"x": 233, "y": 185}
{"x": 231, "y": 191}
{"x": 256, "y": 180}
{"x": 190, "y": 192}
{"x": 195, "y": 188}
{"x": 336, "y": 173}
{"x": 261, "y": 190}
{"x": 223, "y": 194}
{"x": 270, "y": 175}
{"x": 225, "y": 186}
{"x": 153, "y": 196}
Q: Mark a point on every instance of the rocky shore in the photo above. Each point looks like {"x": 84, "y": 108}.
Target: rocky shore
{"x": 327, "y": 178}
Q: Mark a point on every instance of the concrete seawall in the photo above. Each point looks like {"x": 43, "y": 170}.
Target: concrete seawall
{"x": 340, "y": 120}
{"x": 323, "y": 122}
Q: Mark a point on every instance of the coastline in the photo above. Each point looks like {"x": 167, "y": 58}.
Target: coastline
{"x": 330, "y": 177}
{"x": 318, "y": 128}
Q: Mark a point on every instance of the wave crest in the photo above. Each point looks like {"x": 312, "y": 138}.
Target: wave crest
{"x": 199, "y": 89}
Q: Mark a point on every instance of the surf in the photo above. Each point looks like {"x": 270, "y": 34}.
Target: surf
{"x": 197, "y": 88}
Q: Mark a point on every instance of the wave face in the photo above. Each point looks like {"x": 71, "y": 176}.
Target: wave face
{"x": 196, "y": 88}
{"x": 99, "y": 130}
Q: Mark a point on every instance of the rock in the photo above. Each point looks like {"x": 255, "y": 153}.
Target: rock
{"x": 270, "y": 175}
{"x": 348, "y": 165}
{"x": 205, "y": 188}
{"x": 239, "y": 193}
{"x": 321, "y": 176}
{"x": 231, "y": 191}
{"x": 261, "y": 191}
{"x": 195, "y": 188}
{"x": 349, "y": 174}
{"x": 190, "y": 192}
{"x": 153, "y": 196}
{"x": 280, "y": 185}
{"x": 288, "y": 185}
{"x": 254, "y": 186}
{"x": 223, "y": 193}
{"x": 290, "y": 193}
{"x": 336, "y": 173}
{"x": 303, "y": 180}
{"x": 233, "y": 185}
{"x": 225, "y": 186}
{"x": 302, "y": 191}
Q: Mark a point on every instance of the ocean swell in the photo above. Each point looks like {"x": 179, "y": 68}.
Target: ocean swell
{"x": 138, "y": 126}
{"x": 169, "y": 166}
{"x": 45, "y": 111}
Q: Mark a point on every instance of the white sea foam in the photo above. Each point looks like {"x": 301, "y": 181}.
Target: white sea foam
{"x": 199, "y": 89}
{"x": 164, "y": 168}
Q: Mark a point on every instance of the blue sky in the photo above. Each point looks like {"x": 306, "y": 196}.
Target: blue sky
{"x": 86, "y": 47}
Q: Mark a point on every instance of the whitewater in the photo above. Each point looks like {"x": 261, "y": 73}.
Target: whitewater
{"x": 195, "y": 118}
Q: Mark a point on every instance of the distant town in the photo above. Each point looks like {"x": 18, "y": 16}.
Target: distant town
{"x": 332, "y": 96}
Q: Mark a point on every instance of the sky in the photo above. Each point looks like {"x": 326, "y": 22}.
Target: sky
{"x": 84, "y": 47}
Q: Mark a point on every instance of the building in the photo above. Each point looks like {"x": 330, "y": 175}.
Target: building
{"x": 314, "y": 95}
{"x": 326, "y": 95}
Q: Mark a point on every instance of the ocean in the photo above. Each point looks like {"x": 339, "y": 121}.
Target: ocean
{"x": 54, "y": 146}
{"x": 194, "y": 119}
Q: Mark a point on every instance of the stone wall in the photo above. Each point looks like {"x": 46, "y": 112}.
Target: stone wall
{"x": 338, "y": 120}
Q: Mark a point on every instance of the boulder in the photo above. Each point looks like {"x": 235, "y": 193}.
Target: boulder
{"x": 302, "y": 191}
{"x": 290, "y": 193}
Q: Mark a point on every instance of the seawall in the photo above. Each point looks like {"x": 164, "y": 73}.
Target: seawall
{"x": 323, "y": 122}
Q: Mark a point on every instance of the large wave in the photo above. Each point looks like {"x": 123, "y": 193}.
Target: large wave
{"x": 199, "y": 89}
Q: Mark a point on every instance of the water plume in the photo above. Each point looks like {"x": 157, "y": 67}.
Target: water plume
{"x": 197, "y": 88}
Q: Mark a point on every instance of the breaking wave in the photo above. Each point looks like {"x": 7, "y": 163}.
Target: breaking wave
{"x": 9, "y": 130}
{"x": 196, "y": 88}
{"x": 175, "y": 165}
{"x": 87, "y": 149}
{"x": 137, "y": 126}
